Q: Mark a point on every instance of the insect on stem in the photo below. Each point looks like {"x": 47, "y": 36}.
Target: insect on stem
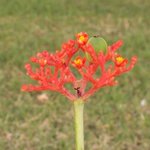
{"x": 78, "y": 91}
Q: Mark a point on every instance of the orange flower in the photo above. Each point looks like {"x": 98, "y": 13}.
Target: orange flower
{"x": 78, "y": 62}
{"x": 82, "y": 38}
{"x": 120, "y": 61}
{"x": 42, "y": 62}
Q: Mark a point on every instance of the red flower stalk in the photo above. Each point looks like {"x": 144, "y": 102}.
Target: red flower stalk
{"x": 55, "y": 70}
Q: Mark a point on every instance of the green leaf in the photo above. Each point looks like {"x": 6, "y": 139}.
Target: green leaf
{"x": 98, "y": 43}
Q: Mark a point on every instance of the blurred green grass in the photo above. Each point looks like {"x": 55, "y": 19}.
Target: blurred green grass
{"x": 114, "y": 117}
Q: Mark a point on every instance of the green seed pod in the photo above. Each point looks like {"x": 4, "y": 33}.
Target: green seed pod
{"x": 98, "y": 43}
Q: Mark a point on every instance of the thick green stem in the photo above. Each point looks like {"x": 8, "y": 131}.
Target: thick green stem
{"x": 79, "y": 128}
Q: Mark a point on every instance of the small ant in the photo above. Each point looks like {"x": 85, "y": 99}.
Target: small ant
{"x": 78, "y": 91}
{"x": 96, "y": 36}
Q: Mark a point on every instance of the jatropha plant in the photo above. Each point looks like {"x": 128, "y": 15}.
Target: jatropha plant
{"x": 86, "y": 65}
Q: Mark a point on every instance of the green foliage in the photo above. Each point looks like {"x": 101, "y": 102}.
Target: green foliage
{"x": 114, "y": 116}
{"x": 99, "y": 45}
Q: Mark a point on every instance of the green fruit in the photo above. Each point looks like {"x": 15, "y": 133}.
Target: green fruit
{"x": 99, "y": 44}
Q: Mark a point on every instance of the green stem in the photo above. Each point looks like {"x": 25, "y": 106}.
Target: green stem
{"x": 79, "y": 128}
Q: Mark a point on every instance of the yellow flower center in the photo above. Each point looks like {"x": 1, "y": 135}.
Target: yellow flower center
{"x": 78, "y": 61}
{"x": 119, "y": 59}
{"x": 82, "y": 38}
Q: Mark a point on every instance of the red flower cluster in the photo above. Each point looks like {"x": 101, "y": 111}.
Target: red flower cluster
{"x": 55, "y": 70}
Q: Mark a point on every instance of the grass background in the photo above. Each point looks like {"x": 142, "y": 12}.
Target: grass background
{"x": 114, "y": 117}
